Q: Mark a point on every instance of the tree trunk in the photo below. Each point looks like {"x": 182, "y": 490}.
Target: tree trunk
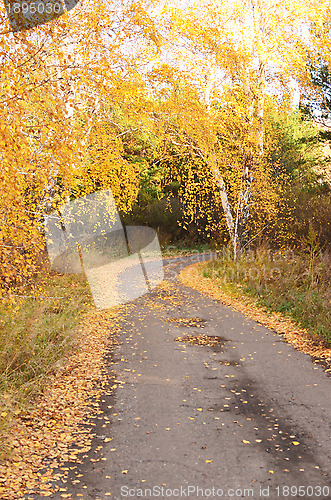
{"x": 232, "y": 228}
{"x": 250, "y": 160}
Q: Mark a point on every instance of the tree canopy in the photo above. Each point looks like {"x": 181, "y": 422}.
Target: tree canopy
{"x": 152, "y": 99}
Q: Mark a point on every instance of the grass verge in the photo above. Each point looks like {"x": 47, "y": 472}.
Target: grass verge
{"x": 208, "y": 278}
{"x": 297, "y": 286}
{"x": 56, "y": 376}
{"x": 36, "y": 333}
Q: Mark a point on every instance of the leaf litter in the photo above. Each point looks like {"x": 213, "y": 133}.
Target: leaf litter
{"x": 43, "y": 438}
{"x": 206, "y": 340}
{"x": 298, "y": 337}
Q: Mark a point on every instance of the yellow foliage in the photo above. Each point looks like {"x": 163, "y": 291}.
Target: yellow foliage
{"x": 54, "y": 78}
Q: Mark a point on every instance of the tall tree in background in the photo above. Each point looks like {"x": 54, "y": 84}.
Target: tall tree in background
{"x": 318, "y": 101}
{"x": 246, "y": 45}
{"x": 196, "y": 77}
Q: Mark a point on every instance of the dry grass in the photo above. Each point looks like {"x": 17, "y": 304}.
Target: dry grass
{"x": 233, "y": 295}
{"x": 36, "y": 332}
{"x": 53, "y": 431}
{"x": 296, "y": 285}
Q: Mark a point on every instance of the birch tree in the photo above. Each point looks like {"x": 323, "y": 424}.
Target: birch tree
{"x": 52, "y": 80}
{"x": 259, "y": 46}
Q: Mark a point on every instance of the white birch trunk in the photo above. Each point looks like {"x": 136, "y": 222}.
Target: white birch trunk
{"x": 232, "y": 229}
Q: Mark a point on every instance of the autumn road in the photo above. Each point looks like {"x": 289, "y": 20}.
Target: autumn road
{"x": 243, "y": 415}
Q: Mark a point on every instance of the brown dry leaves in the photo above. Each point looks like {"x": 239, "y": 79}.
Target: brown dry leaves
{"x": 188, "y": 322}
{"x": 297, "y": 337}
{"x": 199, "y": 340}
{"x": 51, "y": 433}
{"x": 168, "y": 293}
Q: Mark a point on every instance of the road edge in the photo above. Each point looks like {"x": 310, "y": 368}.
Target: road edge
{"x": 291, "y": 333}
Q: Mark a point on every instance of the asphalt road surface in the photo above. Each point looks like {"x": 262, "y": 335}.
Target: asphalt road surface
{"x": 244, "y": 416}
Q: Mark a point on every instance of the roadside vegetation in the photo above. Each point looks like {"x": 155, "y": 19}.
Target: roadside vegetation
{"x": 36, "y": 333}
{"x": 296, "y": 284}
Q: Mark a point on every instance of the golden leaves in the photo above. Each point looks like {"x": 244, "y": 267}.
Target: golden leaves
{"x": 298, "y": 338}
{"x": 104, "y": 166}
{"x": 53, "y": 427}
{"x": 51, "y": 89}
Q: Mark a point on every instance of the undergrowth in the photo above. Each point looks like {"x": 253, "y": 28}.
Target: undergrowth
{"x": 36, "y": 332}
{"x": 296, "y": 284}
{"x": 183, "y": 248}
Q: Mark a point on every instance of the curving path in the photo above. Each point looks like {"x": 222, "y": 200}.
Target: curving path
{"x": 245, "y": 416}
